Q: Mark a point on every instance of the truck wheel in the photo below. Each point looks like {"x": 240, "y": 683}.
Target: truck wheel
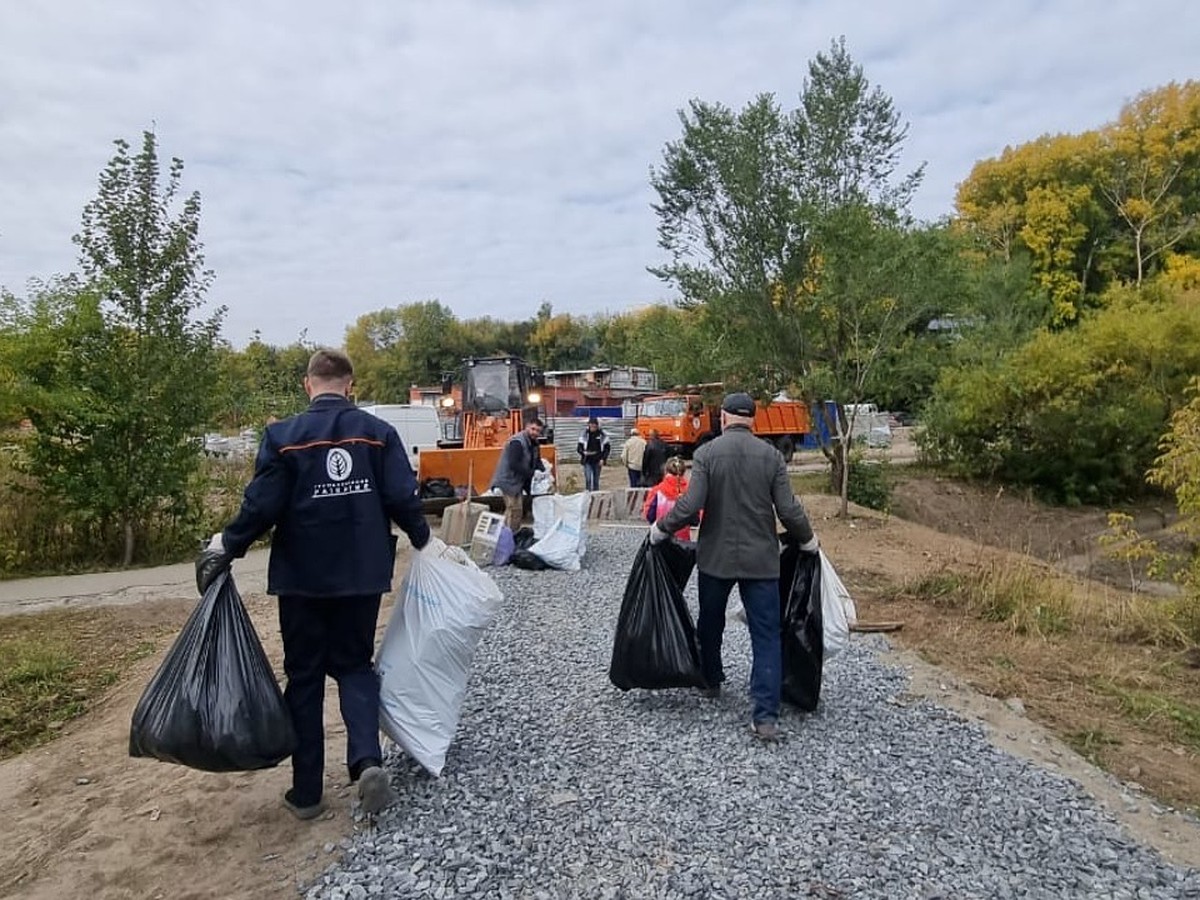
{"x": 786, "y": 446}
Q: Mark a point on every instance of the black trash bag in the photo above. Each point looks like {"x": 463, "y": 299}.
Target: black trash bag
{"x": 214, "y": 703}
{"x": 523, "y": 559}
{"x": 655, "y": 645}
{"x": 524, "y": 538}
{"x": 437, "y": 488}
{"x": 803, "y": 627}
{"x": 680, "y": 557}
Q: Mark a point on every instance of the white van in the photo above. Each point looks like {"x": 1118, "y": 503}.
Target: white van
{"x": 418, "y": 425}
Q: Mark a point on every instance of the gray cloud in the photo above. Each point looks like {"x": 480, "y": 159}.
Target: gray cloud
{"x": 494, "y": 154}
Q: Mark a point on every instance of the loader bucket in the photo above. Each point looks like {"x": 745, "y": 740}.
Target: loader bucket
{"x": 462, "y": 465}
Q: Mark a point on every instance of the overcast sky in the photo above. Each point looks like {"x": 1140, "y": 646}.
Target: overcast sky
{"x": 494, "y": 154}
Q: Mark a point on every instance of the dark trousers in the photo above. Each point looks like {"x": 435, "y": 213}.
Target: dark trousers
{"x": 635, "y": 478}
{"x": 760, "y": 599}
{"x": 332, "y": 637}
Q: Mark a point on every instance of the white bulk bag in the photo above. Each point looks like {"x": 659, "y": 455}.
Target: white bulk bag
{"x": 837, "y": 609}
{"x": 543, "y": 481}
{"x": 424, "y": 660}
{"x": 560, "y": 525}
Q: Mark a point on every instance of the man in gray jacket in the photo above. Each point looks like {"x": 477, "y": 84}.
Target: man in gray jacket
{"x": 741, "y": 484}
{"x": 514, "y": 472}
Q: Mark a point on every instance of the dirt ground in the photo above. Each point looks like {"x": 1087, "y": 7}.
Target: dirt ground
{"x": 82, "y": 818}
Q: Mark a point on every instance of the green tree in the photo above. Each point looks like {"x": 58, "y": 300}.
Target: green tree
{"x": 130, "y": 384}
{"x": 11, "y": 408}
{"x": 260, "y": 382}
{"x": 395, "y": 348}
{"x": 491, "y": 337}
{"x": 1074, "y": 414}
{"x": 790, "y": 232}
{"x": 561, "y": 341}
{"x": 1178, "y": 469}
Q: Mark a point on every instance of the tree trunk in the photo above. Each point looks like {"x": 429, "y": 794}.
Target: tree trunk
{"x": 844, "y": 487}
{"x": 838, "y": 454}
{"x": 127, "y": 559}
{"x": 1137, "y": 251}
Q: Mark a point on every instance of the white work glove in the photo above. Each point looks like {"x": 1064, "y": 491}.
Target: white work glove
{"x": 434, "y": 547}
{"x": 810, "y": 546}
{"x": 657, "y": 535}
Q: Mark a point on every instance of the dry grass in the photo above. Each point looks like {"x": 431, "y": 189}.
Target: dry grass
{"x": 1102, "y": 668}
{"x": 1018, "y": 595}
{"x": 54, "y": 666}
{"x": 39, "y": 536}
{"x": 1030, "y": 598}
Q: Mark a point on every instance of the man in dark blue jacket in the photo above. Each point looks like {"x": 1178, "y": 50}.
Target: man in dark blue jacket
{"x": 514, "y": 472}
{"x": 329, "y": 481}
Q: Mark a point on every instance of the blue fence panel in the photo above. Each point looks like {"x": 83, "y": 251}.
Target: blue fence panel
{"x": 600, "y": 412}
{"x": 819, "y": 436}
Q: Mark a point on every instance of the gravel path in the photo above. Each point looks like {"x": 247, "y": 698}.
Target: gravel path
{"x": 559, "y": 785}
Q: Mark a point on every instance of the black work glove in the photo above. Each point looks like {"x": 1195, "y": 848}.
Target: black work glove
{"x": 212, "y": 561}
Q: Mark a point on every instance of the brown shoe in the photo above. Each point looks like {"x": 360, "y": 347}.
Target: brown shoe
{"x": 767, "y": 732}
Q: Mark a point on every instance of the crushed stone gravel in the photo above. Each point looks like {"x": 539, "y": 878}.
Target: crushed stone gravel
{"x": 561, "y": 786}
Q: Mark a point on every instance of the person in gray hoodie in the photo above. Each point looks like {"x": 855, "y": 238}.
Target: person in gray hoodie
{"x": 514, "y": 472}
{"x": 741, "y": 484}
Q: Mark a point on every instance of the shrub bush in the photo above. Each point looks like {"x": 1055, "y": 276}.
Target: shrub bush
{"x": 1076, "y": 414}
{"x": 870, "y": 483}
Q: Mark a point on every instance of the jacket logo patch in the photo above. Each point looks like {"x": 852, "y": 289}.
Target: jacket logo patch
{"x": 338, "y": 464}
{"x": 342, "y": 488}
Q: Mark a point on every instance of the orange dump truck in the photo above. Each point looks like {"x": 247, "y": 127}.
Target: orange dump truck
{"x": 685, "y": 422}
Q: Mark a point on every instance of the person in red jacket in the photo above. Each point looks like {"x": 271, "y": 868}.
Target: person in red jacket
{"x": 661, "y": 498}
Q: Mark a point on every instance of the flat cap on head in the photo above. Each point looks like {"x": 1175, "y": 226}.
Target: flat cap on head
{"x": 739, "y": 404}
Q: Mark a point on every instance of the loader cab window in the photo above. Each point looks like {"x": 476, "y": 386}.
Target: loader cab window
{"x": 495, "y": 386}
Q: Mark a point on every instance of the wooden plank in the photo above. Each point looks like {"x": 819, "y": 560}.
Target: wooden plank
{"x": 875, "y": 627}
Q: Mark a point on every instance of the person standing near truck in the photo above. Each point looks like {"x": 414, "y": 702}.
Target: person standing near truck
{"x": 594, "y": 448}
{"x": 632, "y": 453}
{"x": 654, "y": 460}
{"x": 741, "y": 484}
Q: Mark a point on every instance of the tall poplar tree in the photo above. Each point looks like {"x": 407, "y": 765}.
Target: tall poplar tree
{"x": 129, "y": 391}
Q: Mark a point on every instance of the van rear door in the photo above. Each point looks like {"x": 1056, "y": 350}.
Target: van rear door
{"x": 417, "y": 425}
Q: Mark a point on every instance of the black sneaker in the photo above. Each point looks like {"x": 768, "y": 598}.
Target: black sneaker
{"x": 710, "y": 693}
{"x": 304, "y": 813}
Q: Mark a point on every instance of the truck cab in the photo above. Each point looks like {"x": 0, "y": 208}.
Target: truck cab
{"x": 683, "y": 421}
{"x": 687, "y": 421}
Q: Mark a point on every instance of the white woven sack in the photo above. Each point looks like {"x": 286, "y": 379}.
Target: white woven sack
{"x": 560, "y": 525}
{"x": 837, "y": 609}
{"x": 424, "y": 661}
